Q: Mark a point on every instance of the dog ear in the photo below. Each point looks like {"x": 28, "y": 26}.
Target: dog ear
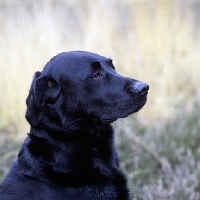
{"x": 31, "y": 95}
{"x": 44, "y": 90}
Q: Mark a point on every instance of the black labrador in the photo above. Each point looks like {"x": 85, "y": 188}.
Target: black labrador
{"x": 69, "y": 153}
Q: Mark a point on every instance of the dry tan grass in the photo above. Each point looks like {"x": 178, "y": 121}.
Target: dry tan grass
{"x": 156, "y": 41}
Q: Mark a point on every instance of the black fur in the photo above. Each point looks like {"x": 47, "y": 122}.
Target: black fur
{"x": 69, "y": 153}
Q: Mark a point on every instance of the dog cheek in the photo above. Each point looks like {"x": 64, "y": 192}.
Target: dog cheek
{"x": 97, "y": 108}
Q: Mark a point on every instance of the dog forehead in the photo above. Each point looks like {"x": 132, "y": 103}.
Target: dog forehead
{"x": 71, "y": 62}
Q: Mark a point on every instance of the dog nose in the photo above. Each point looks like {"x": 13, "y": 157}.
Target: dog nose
{"x": 141, "y": 87}
{"x": 138, "y": 87}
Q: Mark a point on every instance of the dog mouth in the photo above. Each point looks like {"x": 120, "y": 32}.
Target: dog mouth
{"x": 127, "y": 109}
{"x": 141, "y": 104}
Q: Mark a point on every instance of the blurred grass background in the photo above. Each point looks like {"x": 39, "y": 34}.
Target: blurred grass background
{"x": 157, "y": 41}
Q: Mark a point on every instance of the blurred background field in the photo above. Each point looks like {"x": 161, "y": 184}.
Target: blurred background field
{"x": 157, "y": 41}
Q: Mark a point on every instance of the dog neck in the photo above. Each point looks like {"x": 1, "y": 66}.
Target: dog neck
{"x": 60, "y": 155}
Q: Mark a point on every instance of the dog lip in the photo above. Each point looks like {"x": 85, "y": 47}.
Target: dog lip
{"x": 145, "y": 93}
{"x": 108, "y": 120}
{"x": 140, "y": 106}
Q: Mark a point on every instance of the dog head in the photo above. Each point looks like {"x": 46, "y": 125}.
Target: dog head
{"x": 77, "y": 85}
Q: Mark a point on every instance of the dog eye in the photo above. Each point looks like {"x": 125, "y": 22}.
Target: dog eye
{"x": 50, "y": 83}
{"x": 96, "y": 75}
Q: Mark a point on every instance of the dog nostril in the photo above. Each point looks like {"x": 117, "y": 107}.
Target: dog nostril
{"x": 139, "y": 87}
